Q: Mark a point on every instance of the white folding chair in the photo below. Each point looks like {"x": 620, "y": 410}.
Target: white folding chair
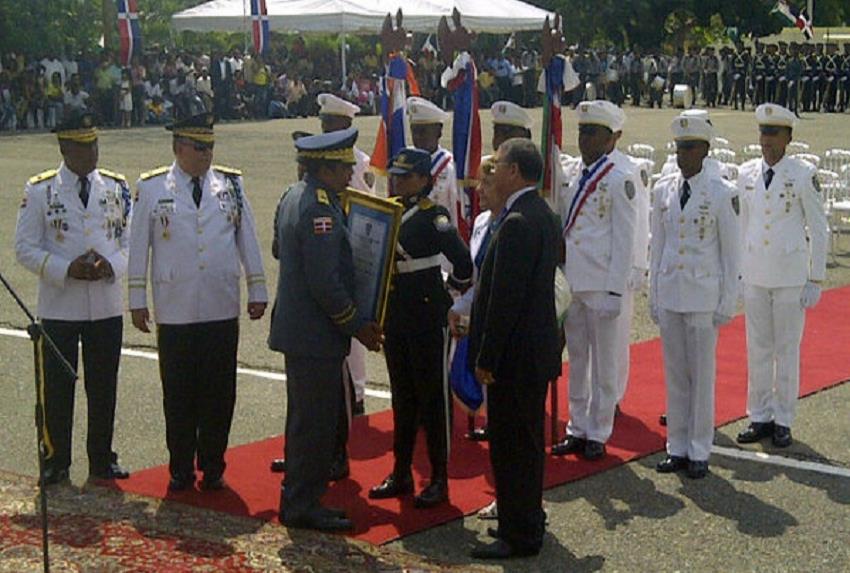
{"x": 751, "y": 151}
{"x": 835, "y": 159}
{"x": 723, "y": 155}
{"x": 641, "y": 151}
{"x": 798, "y": 147}
{"x": 719, "y": 142}
{"x": 809, "y": 157}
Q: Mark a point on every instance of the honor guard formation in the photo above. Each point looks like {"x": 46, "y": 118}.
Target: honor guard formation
{"x": 703, "y": 238}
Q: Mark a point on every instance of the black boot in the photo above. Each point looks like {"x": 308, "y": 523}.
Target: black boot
{"x": 395, "y": 485}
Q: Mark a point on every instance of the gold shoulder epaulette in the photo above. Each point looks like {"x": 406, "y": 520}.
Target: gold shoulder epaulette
{"x": 227, "y": 170}
{"x": 425, "y": 203}
{"x": 111, "y": 174}
{"x": 153, "y": 173}
{"x": 322, "y": 197}
{"x": 43, "y": 176}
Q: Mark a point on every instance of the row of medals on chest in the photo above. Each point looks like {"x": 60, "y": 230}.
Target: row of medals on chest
{"x": 166, "y": 207}
{"x": 113, "y": 220}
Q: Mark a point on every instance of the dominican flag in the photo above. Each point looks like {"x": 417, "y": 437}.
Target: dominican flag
{"x": 397, "y": 79}
{"x": 553, "y": 136}
{"x": 129, "y": 30}
{"x": 462, "y": 80}
{"x": 260, "y": 26}
{"x": 799, "y": 18}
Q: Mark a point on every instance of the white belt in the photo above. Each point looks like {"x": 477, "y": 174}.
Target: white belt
{"x": 413, "y": 265}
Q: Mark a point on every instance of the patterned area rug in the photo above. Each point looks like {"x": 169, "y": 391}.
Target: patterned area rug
{"x": 98, "y": 529}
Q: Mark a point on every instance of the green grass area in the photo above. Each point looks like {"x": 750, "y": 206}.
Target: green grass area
{"x": 265, "y": 153}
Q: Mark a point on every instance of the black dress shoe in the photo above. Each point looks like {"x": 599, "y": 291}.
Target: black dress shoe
{"x": 672, "y": 464}
{"x": 181, "y": 482}
{"x": 112, "y": 471}
{"x": 52, "y": 476}
{"x": 754, "y": 432}
{"x": 278, "y": 466}
{"x": 213, "y": 483}
{"x": 319, "y": 521}
{"x": 781, "y": 436}
{"x": 393, "y": 486}
{"x": 593, "y": 450}
{"x": 478, "y": 435}
{"x": 436, "y": 493}
{"x": 697, "y": 470}
{"x": 333, "y": 512}
{"x": 340, "y": 470}
{"x": 662, "y": 419}
{"x": 571, "y": 445}
{"x": 501, "y": 550}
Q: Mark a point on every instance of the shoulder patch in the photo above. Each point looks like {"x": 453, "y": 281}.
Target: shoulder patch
{"x": 153, "y": 173}
{"x": 630, "y": 189}
{"x": 227, "y": 170}
{"x": 43, "y": 176}
{"x": 644, "y": 177}
{"x": 425, "y": 203}
{"x": 111, "y": 174}
{"x": 816, "y": 183}
{"x": 322, "y": 197}
{"x": 442, "y": 223}
{"x": 736, "y": 204}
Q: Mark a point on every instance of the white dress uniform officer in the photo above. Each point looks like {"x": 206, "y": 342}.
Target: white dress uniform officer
{"x": 785, "y": 237}
{"x": 426, "y": 129}
{"x": 72, "y": 233}
{"x": 599, "y": 219}
{"x": 695, "y": 261}
{"x": 195, "y": 226}
{"x": 709, "y": 164}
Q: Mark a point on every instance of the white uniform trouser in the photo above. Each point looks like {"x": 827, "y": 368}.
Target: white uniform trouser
{"x": 357, "y": 366}
{"x": 775, "y": 321}
{"x": 689, "y": 340}
{"x": 592, "y": 344}
{"x": 624, "y": 332}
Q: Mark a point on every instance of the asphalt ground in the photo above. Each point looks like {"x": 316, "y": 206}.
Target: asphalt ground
{"x": 746, "y": 516}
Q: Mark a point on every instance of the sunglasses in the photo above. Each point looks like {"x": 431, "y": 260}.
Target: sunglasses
{"x": 199, "y": 146}
{"x": 770, "y": 130}
{"x": 687, "y": 145}
{"x": 591, "y": 129}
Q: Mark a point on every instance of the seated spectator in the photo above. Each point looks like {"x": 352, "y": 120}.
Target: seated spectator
{"x": 487, "y": 88}
{"x": 55, "y": 100}
{"x": 75, "y": 98}
{"x": 203, "y": 87}
{"x": 296, "y": 100}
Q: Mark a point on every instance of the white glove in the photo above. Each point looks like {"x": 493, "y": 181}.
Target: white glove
{"x": 810, "y": 295}
{"x": 719, "y": 319}
{"x": 636, "y": 279}
{"x": 610, "y": 307}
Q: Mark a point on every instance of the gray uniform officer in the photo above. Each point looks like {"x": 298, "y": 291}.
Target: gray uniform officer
{"x": 314, "y": 319}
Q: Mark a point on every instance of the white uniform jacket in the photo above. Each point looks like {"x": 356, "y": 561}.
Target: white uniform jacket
{"x": 785, "y": 228}
{"x": 640, "y": 176}
{"x": 695, "y": 252}
{"x": 463, "y": 303}
{"x": 362, "y": 179}
{"x": 54, "y": 229}
{"x": 445, "y": 191}
{"x": 600, "y": 245}
{"x": 195, "y": 252}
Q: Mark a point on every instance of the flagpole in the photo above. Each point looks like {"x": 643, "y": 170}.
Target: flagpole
{"x": 343, "y": 57}
{"x": 245, "y": 25}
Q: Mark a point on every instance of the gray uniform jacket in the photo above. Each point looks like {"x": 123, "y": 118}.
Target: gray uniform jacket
{"x": 315, "y": 314}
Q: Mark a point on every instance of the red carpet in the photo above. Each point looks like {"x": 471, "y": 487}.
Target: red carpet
{"x": 255, "y": 491}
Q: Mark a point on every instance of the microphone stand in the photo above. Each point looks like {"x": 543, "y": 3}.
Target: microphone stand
{"x": 40, "y": 339}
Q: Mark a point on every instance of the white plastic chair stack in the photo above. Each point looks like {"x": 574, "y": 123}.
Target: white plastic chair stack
{"x": 723, "y": 155}
{"x": 798, "y": 147}
{"x": 751, "y": 151}
{"x": 641, "y": 151}
{"x": 839, "y": 210}
{"x": 836, "y": 159}
{"x": 809, "y": 157}
{"x": 720, "y": 142}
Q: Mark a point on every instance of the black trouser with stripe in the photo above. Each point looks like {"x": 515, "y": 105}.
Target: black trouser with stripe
{"x": 515, "y": 413}
{"x": 101, "y": 341}
{"x": 197, "y": 364}
{"x": 419, "y": 384}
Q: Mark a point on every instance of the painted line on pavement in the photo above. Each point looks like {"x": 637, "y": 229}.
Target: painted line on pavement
{"x": 267, "y": 374}
{"x": 774, "y": 460}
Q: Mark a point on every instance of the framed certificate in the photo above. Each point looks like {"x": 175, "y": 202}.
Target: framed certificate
{"x": 373, "y": 225}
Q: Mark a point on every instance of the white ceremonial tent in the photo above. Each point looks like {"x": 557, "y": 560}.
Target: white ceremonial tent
{"x": 361, "y": 16}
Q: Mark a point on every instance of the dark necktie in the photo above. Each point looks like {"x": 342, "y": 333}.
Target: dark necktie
{"x": 197, "y": 191}
{"x": 686, "y": 194}
{"x": 84, "y": 191}
{"x": 482, "y": 248}
{"x": 768, "y": 177}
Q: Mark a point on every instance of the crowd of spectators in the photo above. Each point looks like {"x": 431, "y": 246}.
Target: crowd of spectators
{"x": 158, "y": 87}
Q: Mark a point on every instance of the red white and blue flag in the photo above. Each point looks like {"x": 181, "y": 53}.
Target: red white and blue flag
{"x": 260, "y": 26}
{"x": 799, "y": 18}
{"x": 397, "y": 79}
{"x": 462, "y": 80}
{"x": 129, "y": 30}
{"x": 552, "y": 126}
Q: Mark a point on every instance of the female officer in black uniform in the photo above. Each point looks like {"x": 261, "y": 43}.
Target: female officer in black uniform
{"x": 417, "y": 338}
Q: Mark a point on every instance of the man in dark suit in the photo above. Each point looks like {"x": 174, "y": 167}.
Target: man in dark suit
{"x": 221, "y": 73}
{"x": 514, "y": 345}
